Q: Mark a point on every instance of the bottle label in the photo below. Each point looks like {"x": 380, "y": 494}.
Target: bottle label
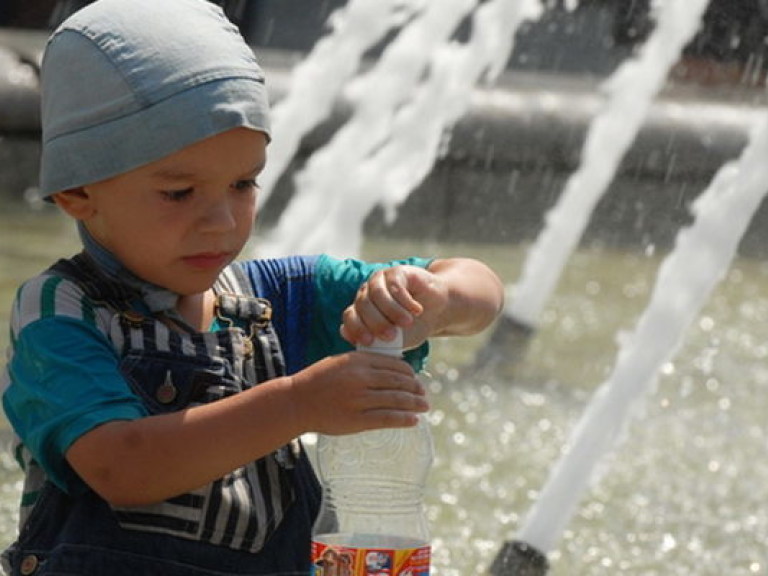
{"x": 340, "y": 560}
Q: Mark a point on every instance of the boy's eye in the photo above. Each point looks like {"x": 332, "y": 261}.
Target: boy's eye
{"x": 177, "y": 195}
{"x": 246, "y": 184}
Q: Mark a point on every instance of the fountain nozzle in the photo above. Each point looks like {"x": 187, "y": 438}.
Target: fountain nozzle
{"x": 519, "y": 559}
{"x": 505, "y": 348}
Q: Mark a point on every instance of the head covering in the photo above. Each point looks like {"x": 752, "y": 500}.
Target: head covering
{"x": 128, "y": 82}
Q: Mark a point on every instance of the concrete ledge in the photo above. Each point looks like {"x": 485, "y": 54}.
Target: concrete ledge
{"x": 508, "y": 158}
{"x": 19, "y": 94}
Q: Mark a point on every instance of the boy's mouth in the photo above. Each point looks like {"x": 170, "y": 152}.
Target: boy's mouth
{"x": 207, "y": 260}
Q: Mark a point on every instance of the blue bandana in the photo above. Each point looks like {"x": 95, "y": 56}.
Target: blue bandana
{"x": 117, "y": 93}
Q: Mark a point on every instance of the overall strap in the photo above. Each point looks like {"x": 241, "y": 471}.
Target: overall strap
{"x": 102, "y": 289}
{"x": 236, "y": 302}
{"x": 257, "y": 311}
{"x": 83, "y": 271}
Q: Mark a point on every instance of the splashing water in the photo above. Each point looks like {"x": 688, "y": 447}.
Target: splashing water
{"x": 401, "y": 110}
{"x": 419, "y": 129}
{"x": 376, "y": 96}
{"x": 421, "y": 85}
{"x": 630, "y": 93}
{"x": 702, "y": 254}
{"x": 317, "y": 81}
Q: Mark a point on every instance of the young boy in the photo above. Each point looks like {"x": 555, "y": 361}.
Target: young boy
{"x": 158, "y": 388}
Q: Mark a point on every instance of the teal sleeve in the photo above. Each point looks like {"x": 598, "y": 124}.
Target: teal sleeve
{"x": 336, "y": 284}
{"x": 64, "y": 381}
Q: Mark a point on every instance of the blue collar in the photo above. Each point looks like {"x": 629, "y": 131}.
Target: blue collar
{"x": 156, "y": 298}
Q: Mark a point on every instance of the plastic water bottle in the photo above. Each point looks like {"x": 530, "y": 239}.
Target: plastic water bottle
{"x": 372, "y": 520}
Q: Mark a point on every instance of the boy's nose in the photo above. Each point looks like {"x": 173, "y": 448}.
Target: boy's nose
{"x": 218, "y": 216}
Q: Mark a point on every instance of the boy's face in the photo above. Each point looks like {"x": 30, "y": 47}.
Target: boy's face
{"x": 179, "y": 221}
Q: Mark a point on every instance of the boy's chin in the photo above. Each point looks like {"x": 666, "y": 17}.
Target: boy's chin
{"x": 187, "y": 289}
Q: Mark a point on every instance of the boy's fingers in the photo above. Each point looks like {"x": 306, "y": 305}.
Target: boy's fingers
{"x": 392, "y": 419}
{"x": 397, "y": 400}
{"x": 386, "y": 300}
{"x": 393, "y": 295}
{"x": 398, "y": 384}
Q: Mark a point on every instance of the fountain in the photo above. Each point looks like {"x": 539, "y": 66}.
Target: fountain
{"x": 398, "y": 122}
{"x": 322, "y": 75}
{"x": 629, "y": 93}
{"x": 383, "y": 154}
{"x": 685, "y": 281}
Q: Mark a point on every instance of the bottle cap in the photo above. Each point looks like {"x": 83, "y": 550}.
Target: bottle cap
{"x": 392, "y": 347}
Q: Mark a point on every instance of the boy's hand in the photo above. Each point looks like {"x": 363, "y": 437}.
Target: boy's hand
{"x": 357, "y": 391}
{"x": 406, "y": 296}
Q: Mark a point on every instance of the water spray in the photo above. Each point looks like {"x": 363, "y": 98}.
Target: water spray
{"x": 318, "y": 81}
{"x": 629, "y": 92}
{"x": 685, "y": 280}
{"x": 401, "y": 109}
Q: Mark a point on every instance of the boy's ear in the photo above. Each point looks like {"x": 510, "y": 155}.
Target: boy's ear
{"x": 76, "y": 202}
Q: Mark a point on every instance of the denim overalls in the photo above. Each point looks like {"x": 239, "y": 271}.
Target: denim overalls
{"x": 256, "y": 520}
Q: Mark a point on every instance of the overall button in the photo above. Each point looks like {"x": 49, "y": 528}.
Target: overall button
{"x": 133, "y": 318}
{"x": 29, "y": 565}
{"x": 167, "y": 391}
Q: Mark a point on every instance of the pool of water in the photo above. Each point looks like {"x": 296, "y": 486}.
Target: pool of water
{"x": 684, "y": 491}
